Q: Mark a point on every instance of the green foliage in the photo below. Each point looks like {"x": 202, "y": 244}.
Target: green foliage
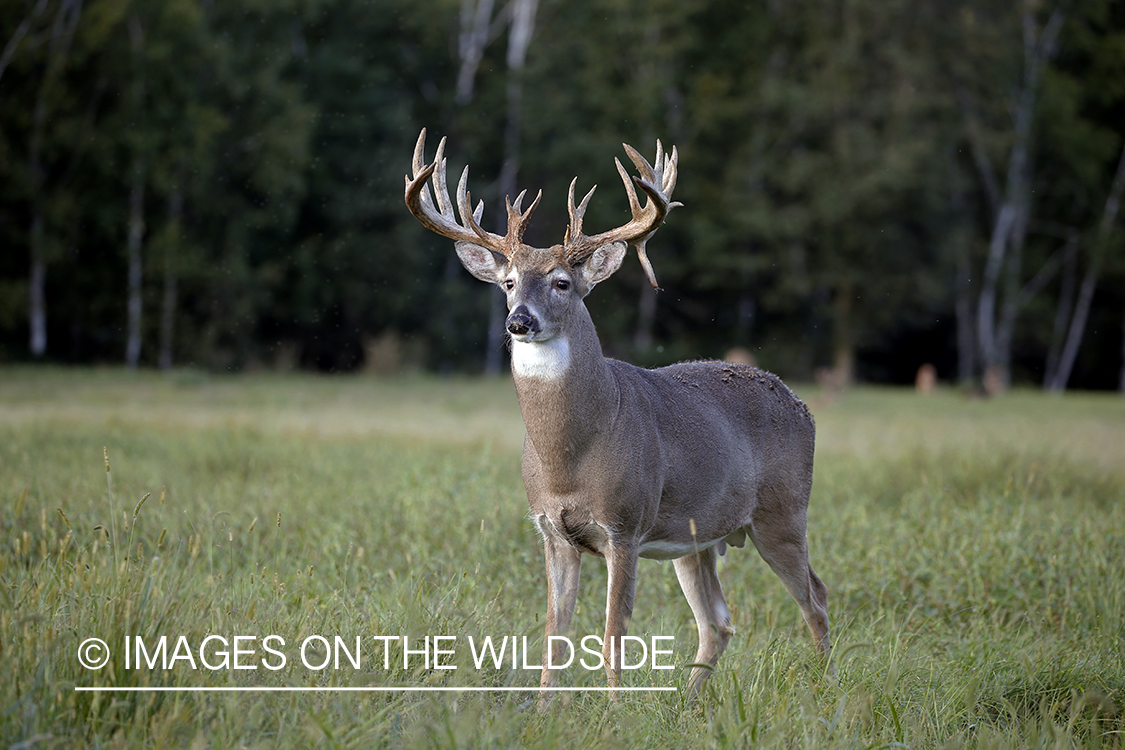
{"x": 836, "y": 202}
{"x": 972, "y": 553}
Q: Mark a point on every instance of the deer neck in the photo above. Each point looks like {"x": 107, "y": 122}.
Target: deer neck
{"x": 566, "y": 391}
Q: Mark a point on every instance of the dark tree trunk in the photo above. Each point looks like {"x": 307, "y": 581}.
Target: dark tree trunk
{"x": 1121, "y": 377}
{"x": 136, "y": 276}
{"x": 37, "y": 282}
{"x": 1062, "y": 317}
{"x": 171, "y": 282}
{"x": 136, "y": 232}
{"x": 843, "y": 336}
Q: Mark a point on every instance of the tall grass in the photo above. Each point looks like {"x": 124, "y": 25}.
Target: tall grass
{"x": 973, "y": 552}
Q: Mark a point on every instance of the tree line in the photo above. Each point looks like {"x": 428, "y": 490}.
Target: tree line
{"x": 868, "y": 185}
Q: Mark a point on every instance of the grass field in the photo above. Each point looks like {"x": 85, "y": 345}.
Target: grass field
{"x": 974, "y": 553}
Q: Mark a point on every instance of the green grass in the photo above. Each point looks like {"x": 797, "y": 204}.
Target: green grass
{"x": 974, "y": 553}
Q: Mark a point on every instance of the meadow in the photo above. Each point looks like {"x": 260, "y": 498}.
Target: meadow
{"x": 974, "y": 553}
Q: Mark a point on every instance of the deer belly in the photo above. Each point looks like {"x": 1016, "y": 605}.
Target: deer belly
{"x": 667, "y": 549}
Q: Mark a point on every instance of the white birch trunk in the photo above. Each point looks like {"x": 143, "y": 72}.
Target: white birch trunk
{"x": 522, "y": 25}
{"x": 1077, "y": 328}
{"x": 994, "y": 331}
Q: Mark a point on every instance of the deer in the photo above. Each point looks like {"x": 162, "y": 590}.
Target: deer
{"x": 622, "y": 462}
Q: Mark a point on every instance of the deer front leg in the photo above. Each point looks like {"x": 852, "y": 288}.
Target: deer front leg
{"x": 563, "y": 570}
{"x": 621, "y": 563}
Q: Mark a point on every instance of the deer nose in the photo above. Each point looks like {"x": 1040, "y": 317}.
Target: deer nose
{"x": 521, "y": 321}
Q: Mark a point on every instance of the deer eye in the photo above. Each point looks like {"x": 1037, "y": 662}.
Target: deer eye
{"x": 562, "y": 285}
{"x": 509, "y": 284}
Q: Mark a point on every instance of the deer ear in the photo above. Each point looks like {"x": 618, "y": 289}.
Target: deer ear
{"x": 603, "y": 263}
{"x": 481, "y": 262}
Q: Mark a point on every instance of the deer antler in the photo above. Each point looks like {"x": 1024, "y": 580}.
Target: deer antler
{"x": 657, "y": 181}
{"x": 437, "y": 216}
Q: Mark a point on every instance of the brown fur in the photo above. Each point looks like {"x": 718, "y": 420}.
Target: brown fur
{"x": 622, "y": 462}
{"x": 637, "y": 453}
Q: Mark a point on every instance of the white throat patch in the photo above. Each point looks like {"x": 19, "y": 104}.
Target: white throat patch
{"x": 546, "y": 360}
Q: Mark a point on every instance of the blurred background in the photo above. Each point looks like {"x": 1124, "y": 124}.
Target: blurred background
{"x": 870, "y": 187}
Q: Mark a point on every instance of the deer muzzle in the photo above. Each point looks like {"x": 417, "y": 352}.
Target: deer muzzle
{"x": 521, "y": 322}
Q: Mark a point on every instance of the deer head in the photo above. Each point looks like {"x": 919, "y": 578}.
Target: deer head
{"x": 569, "y": 269}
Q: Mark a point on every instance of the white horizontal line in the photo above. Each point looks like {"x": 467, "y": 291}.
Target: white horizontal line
{"x": 372, "y": 689}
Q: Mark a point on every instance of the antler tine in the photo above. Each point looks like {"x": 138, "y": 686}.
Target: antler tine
{"x": 517, "y": 221}
{"x": 667, "y": 174}
{"x": 441, "y": 192}
{"x": 630, "y": 191}
{"x": 657, "y": 182}
{"x": 419, "y": 162}
{"x": 673, "y": 172}
{"x": 641, "y": 163}
{"x": 574, "y": 229}
{"x": 464, "y": 201}
{"x": 514, "y": 207}
{"x": 472, "y": 219}
{"x": 436, "y": 213}
{"x": 418, "y": 166}
{"x": 661, "y": 174}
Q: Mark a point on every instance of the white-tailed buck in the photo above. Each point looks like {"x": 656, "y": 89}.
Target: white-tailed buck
{"x": 622, "y": 462}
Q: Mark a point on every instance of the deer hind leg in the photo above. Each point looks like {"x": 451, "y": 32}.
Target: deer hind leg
{"x": 700, "y": 583}
{"x": 786, "y": 552}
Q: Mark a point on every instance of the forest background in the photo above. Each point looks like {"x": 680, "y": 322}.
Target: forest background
{"x": 869, "y": 185}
